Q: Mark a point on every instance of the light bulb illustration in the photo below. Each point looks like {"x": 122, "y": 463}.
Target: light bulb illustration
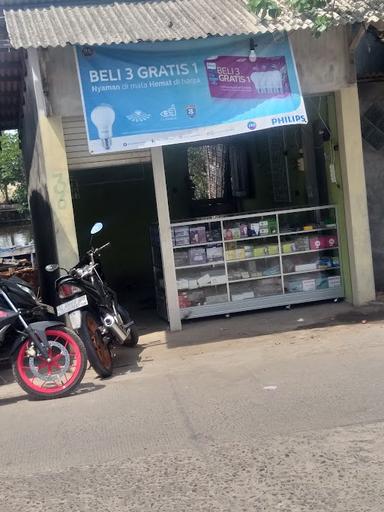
{"x": 103, "y": 117}
{"x": 268, "y": 82}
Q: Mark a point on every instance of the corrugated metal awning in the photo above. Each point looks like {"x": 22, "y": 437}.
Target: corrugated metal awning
{"x": 162, "y": 20}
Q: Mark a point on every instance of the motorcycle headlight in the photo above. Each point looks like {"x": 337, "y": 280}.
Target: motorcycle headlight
{"x": 68, "y": 290}
{"x": 27, "y": 290}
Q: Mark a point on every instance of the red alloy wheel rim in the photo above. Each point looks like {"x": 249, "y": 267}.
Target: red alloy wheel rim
{"x": 23, "y": 368}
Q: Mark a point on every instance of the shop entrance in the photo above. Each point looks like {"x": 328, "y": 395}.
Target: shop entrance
{"x": 123, "y": 199}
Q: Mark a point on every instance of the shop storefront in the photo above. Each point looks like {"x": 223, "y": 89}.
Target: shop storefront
{"x": 255, "y": 219}
{"x": 219, "y": 219}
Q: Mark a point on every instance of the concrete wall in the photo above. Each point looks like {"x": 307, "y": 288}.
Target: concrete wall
{"x": 374, "y": 175}
{"x": 320, "y": 64}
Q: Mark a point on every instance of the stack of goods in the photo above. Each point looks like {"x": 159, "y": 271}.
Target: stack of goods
{"x": 234, "y": 251}
{"x": 189, "y": 235}
{"x": 198, "y": 255}
{"x": 260, "y": 228}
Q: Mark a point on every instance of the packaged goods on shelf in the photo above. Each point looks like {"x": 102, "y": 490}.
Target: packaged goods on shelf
{"x": 243, "y": 296}
{"x": 309, "y": 285}
{"x": 272, "y": 226}
{"x": 259, "y": 251}
{"x": 197, "y": 255}
{"x": 181, "y": 258}
{"x": 184, "y": 300}
{"x": 273, "y": 249}
{"x": 215, "y": 253}
{"x": 335, "y": 261}
{"x": 218, "y": 279}
{"x": 192, "y": 284}
{"x": 230, "y": 254}
{"x": 197, "y": 235}
{"x": 216, "y": 299}
{"x": 294, "y": 285}
{"x": 322, "y": 242}
{"x": 288, "y": 247}
{"x": 243, "y": 230}
{"x": 271, "y": 271}
{"x": 254, "y": 229}
{"x": 245, "y": 275}
{"x": 181, "y": 235}
{"x": 204, "y": 280}
{"x": 305, "y": 266}
{"x": 248, "y": 251}
{"x": 325, "y": 262}
{"x": 334, "y": 281}
{"x": 182, "y": 284}
{"x": 301, "y": 243}
{"x": 213, "y": 235}
{"x": 240, "y": 253}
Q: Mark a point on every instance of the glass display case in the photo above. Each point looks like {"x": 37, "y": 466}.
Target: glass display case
{"x": 253, "y": 261}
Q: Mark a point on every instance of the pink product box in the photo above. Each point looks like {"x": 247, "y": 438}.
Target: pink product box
{"x": 323, "y": 242}
{"x": 197, "y": 256}
{"x": 197, "y": 235}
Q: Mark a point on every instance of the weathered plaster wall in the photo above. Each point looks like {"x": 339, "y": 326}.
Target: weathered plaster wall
{"x": 374, "y": 175}
{"x": 322, "y": 65}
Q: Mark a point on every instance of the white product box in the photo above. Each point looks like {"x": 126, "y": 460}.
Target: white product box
{"x": 305, "y": 266}
{"x": 182, "y": 284}
{"x": 192, "y": 284}
{"x": 219, "y": 279}
{"x": 309, "y": 285}
{"x": 248, "y": 295}
{"x": 204, "y": 280}
{"x": 245, "y": 275}
{"x": 334, "y": 281}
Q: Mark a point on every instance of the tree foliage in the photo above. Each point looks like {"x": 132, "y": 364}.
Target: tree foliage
{"x": 318, "y": 11}
{"x": 11, "y": 170}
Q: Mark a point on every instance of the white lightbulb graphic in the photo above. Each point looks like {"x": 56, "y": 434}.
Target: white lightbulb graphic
{"x": 103, "y": 118}
{"x": 268, "y": 82}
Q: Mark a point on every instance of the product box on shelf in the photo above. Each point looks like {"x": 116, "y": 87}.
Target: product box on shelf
{"x": 301, "y": 243}
{"x": 334, "y": 281}
{"x": 217, "y": 279}
{"x": 273, "y": 249}
{"x": 322, "y": 242}
{"x": 243, "y": 230}
{"x": 305, "y": 266}
{"x": 181, "y": 235}
{"x": 215, "y": 253}
{"x": 309, "y": 285}
{"x": 321, "y": 283}
{"x": 272, "y": 226}
{"x": 213, "y": 235}
{"x": 181, "y": 258}
{"x": 197, "y": 256}
{"x": 240, "y": 253}
{"x": 254, "y": 229}
{"x": 182, "y": 284}
{"x": 325, "y": 262}
{"x": 184, "y": 300}
{"x": 259, "y": 251}
{"x": 197, "y": 235}
{"x": 192, "y": 284}
{"x": 288, "y": 247}
{"x": 204, "y": 280}
{"x": 272, "y": 271}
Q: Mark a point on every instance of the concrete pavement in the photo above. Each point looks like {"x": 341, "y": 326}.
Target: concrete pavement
{"x": 289, "y": 421}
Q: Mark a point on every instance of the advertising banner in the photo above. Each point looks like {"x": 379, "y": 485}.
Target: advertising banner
{"x": 153, "y": 94}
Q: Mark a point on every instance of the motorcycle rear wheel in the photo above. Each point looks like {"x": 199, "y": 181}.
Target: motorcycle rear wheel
{"x": 98, "y": 352}
{"x": 56, "y": 378}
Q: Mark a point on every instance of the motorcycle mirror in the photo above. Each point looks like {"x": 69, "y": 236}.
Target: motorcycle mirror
{"x": 96, "y": 228}
{"x": 52, "y": 267}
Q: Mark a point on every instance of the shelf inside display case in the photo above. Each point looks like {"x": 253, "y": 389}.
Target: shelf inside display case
{"x": 252, "y": 261}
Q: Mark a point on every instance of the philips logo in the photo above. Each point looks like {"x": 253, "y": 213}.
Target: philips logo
{"x": 297, "y": 119}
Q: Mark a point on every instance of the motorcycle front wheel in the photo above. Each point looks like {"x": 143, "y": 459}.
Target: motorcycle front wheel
{"x": 98, "y": 351}
{"x": 54, "y": 378}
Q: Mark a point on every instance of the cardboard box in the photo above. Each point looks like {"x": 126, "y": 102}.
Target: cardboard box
{"x": 309, "y": 285}
{"x": 217, "y": 280}
{"x": 316, "y": 243}
{"x": 243, "y": 230}
{"x": 259, "y": 251}
{"x": 334, "y": 281}
{"x": 181, "y": 240}
{"x": 181, "y": 258}
{"x": 230, "y": 254}
{"x": 273, "y": 249}
{"x": 288, "y": 247}
{"x": 228, "y": 235}
{"x": 240, "y": 253}
{"x": 192, "y": 284}
{"x": 182, "y": 284}
{"x": 204, "y": 280}
{"x": 197, "y": 256}
{"x": 215, "y": 253}
{"x": 330, "y": 240}
{"x": 236, "y": 233}
{"x": 254, "y": 229}
{"x": 197, "y": 235}
{"x": 305, "y": 266}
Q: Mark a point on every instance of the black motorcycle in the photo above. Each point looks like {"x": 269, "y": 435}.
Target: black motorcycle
{"x": 48, "y": 360}
{"x": 94, "y": 310}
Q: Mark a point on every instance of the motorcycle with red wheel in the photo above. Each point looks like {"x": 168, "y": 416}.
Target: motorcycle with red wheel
{"x": 48, "y": 359}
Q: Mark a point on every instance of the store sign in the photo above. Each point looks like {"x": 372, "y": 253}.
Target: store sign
{"x": 152, "y": 94}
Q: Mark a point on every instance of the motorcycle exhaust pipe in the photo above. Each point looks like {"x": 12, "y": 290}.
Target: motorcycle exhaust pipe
{"x": 110, "y": 323}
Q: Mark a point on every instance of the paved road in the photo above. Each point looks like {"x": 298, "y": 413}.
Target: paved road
{"x": 290, "y": 422}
